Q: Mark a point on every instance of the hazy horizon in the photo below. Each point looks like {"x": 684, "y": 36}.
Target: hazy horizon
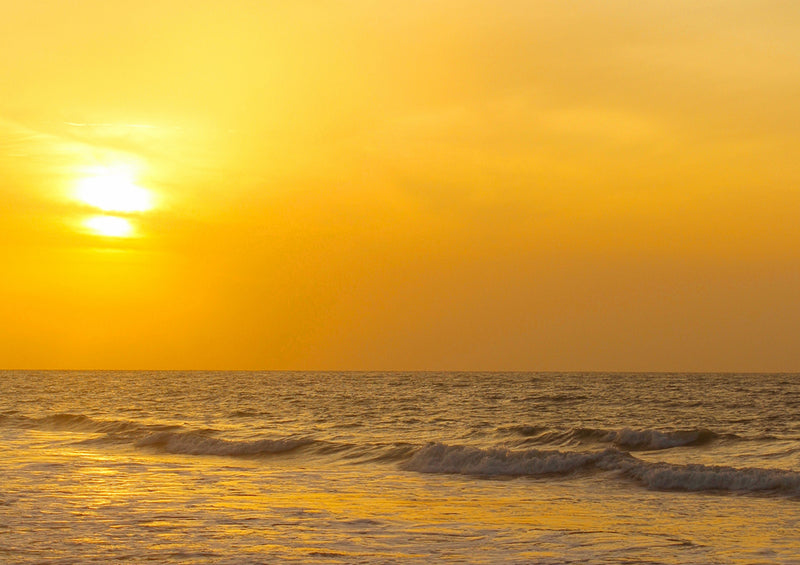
{"x": 553, "y": 372}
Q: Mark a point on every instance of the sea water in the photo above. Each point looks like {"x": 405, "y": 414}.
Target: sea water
{"x": 268, "y": 467}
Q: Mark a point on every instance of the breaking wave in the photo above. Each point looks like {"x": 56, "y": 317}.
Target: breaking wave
{"x": 465, "y": 460}
{"x": 191, "y": 443}
{"x": 490, "y": 462}
{"x": 614, "y": 459}
{"x": 665, "y": 476}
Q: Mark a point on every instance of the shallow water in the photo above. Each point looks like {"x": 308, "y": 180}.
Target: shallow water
{"x": 396, "y": 467}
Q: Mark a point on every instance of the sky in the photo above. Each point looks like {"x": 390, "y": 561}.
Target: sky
{"x": 419, "y": 185}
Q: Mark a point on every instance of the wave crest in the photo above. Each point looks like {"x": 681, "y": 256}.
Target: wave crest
{"x": 665, "y": 476}
{"x": 489, "y": 462}
{"x": 624, "y": 438}
{"x": 165, "y": 437}
{"x": 654, "y": 439}
{"x": 441, "y": 458}
{"x": 76, "y": 423}
{"x": 192, "y": 443}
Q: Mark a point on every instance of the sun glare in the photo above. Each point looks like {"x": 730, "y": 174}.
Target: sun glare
{"x": 114, "y": 190}
{"x": 110, "y": 226}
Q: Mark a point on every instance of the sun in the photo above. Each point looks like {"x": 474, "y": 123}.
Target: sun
{"x": 109, "y": 226}
{"x": 113, "y": 189}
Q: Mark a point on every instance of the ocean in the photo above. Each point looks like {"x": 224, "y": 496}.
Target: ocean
{"x": 304, "y": 467}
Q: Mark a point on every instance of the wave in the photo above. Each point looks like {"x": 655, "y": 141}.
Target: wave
{"x": 654, "y": 439}
{"x": 193, "y": 443}
{"x": 558, "y": 398}
{"x": 168, "y": 438}
{"x": 78, "y": 423}
{"x": 492, "y": 462}
{"x": 465, "y": 460}
{"x": 615, "y": 460}
{"x": 625, "y": 438}
{"x": 666, "y": 476}
{"x": 526, "y": 431}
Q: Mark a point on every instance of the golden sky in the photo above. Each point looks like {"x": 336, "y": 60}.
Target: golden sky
{"x": 533, "y": 185}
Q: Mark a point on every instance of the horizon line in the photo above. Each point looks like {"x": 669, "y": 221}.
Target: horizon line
{"x": 532, "y": 371}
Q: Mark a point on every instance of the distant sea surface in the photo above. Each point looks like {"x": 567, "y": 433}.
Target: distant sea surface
{"x": 250, "y": 467}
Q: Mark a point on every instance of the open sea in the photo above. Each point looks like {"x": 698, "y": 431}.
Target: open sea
{"x": 281, "y": 467}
